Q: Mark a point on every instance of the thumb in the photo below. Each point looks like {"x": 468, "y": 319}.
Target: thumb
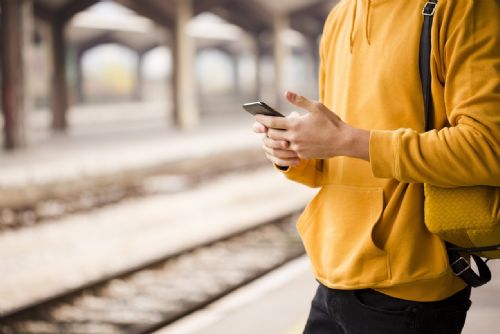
{"x": 301, "y": 101}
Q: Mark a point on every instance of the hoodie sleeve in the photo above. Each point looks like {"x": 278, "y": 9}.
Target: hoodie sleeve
{"x": 467, "y": 151}
{"x": 308, "y": 172}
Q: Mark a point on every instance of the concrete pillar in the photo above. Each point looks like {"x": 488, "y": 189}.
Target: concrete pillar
{"x": 59, "y": 83}
{"x": 187, "y": 115}
{"x": 16, "y": 29}
{"x": 280, "y": 24}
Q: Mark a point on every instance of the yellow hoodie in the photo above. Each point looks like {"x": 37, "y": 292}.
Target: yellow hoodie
{"x": 365, "y": 228}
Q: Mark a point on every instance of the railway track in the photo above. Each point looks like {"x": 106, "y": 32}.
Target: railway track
{"x": 143, "y": 299}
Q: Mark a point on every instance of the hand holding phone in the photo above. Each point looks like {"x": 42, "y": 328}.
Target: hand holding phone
{"x": 255, "y": 108}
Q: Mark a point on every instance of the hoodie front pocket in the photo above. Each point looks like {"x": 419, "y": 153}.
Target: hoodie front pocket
{"x": 337, "y": 232}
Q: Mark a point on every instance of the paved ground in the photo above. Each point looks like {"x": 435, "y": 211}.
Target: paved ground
{"x": 484, "y": 316}
{"x": 275, "y": 304}
{"x": 279, "y": 304}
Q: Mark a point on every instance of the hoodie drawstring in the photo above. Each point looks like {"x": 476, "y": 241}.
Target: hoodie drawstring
{"x": 367, "y": 18}
{"x": 351, "y": 36}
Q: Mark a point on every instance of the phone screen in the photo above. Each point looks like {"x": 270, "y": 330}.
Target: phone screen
{"x": 261, "y": 108}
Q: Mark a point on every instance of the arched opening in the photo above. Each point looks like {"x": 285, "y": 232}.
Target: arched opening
{"x": 157, "y": 72}
{"x": 216, "y": 74}
{"x": 109, "y": 73}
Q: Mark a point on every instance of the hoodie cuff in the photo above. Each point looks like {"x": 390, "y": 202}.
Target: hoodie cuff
{"x": 383, "y": 152}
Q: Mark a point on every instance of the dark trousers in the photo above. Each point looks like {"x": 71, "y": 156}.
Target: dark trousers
{"x": 371, "y": 312}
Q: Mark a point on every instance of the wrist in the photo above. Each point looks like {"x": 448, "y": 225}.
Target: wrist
{"x": 358, "y": 144}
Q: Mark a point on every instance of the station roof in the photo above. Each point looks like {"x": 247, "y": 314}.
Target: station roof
{"x": 251, "y": 15}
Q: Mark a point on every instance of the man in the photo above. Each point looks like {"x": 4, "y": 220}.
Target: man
{"x": 380, "y": 270}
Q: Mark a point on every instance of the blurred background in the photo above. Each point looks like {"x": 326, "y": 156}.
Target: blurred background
{"x": 72, "y": 63}
{"x": 134, "y": 197}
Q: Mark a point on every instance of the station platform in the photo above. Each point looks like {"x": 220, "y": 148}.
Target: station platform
{"x": 279, "y": 302}
{"x": 95, "y": 146}
{"x": 275, "y": 304}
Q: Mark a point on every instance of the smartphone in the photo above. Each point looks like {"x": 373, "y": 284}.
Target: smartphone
{"x": 261, "y": 108}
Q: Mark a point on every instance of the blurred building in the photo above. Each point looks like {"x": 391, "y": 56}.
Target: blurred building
{"x": 190, "y": 56}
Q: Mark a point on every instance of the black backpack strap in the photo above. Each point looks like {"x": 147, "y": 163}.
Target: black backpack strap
{"x": 424, "y": 56}
{"x": 476, "y": 249}
{"x": 460, "y": 266}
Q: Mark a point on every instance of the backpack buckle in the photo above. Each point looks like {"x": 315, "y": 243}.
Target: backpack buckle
{"x": 429, "y": 8}
{"x": 460, "y": 266}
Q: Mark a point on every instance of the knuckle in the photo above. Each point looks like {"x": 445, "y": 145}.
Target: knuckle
{"x": 294, "y": 124}
{"x": 300, "y": 155}
{"x": 257, "y": 127}
{"x": 293, "y": 138}
{"x": 299, "y": 149}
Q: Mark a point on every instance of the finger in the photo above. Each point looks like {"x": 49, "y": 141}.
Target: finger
{"x": 302, "y": 102}
{"x": 278, "y": 134}
{"x": 281, "y": 154}
{"x": 272, "y": 122}
{"x": 294, "y": 114}
{"x": 283, "y": 162}
{"x": 271, "y": 143}
{"x": 259, "y": 128}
